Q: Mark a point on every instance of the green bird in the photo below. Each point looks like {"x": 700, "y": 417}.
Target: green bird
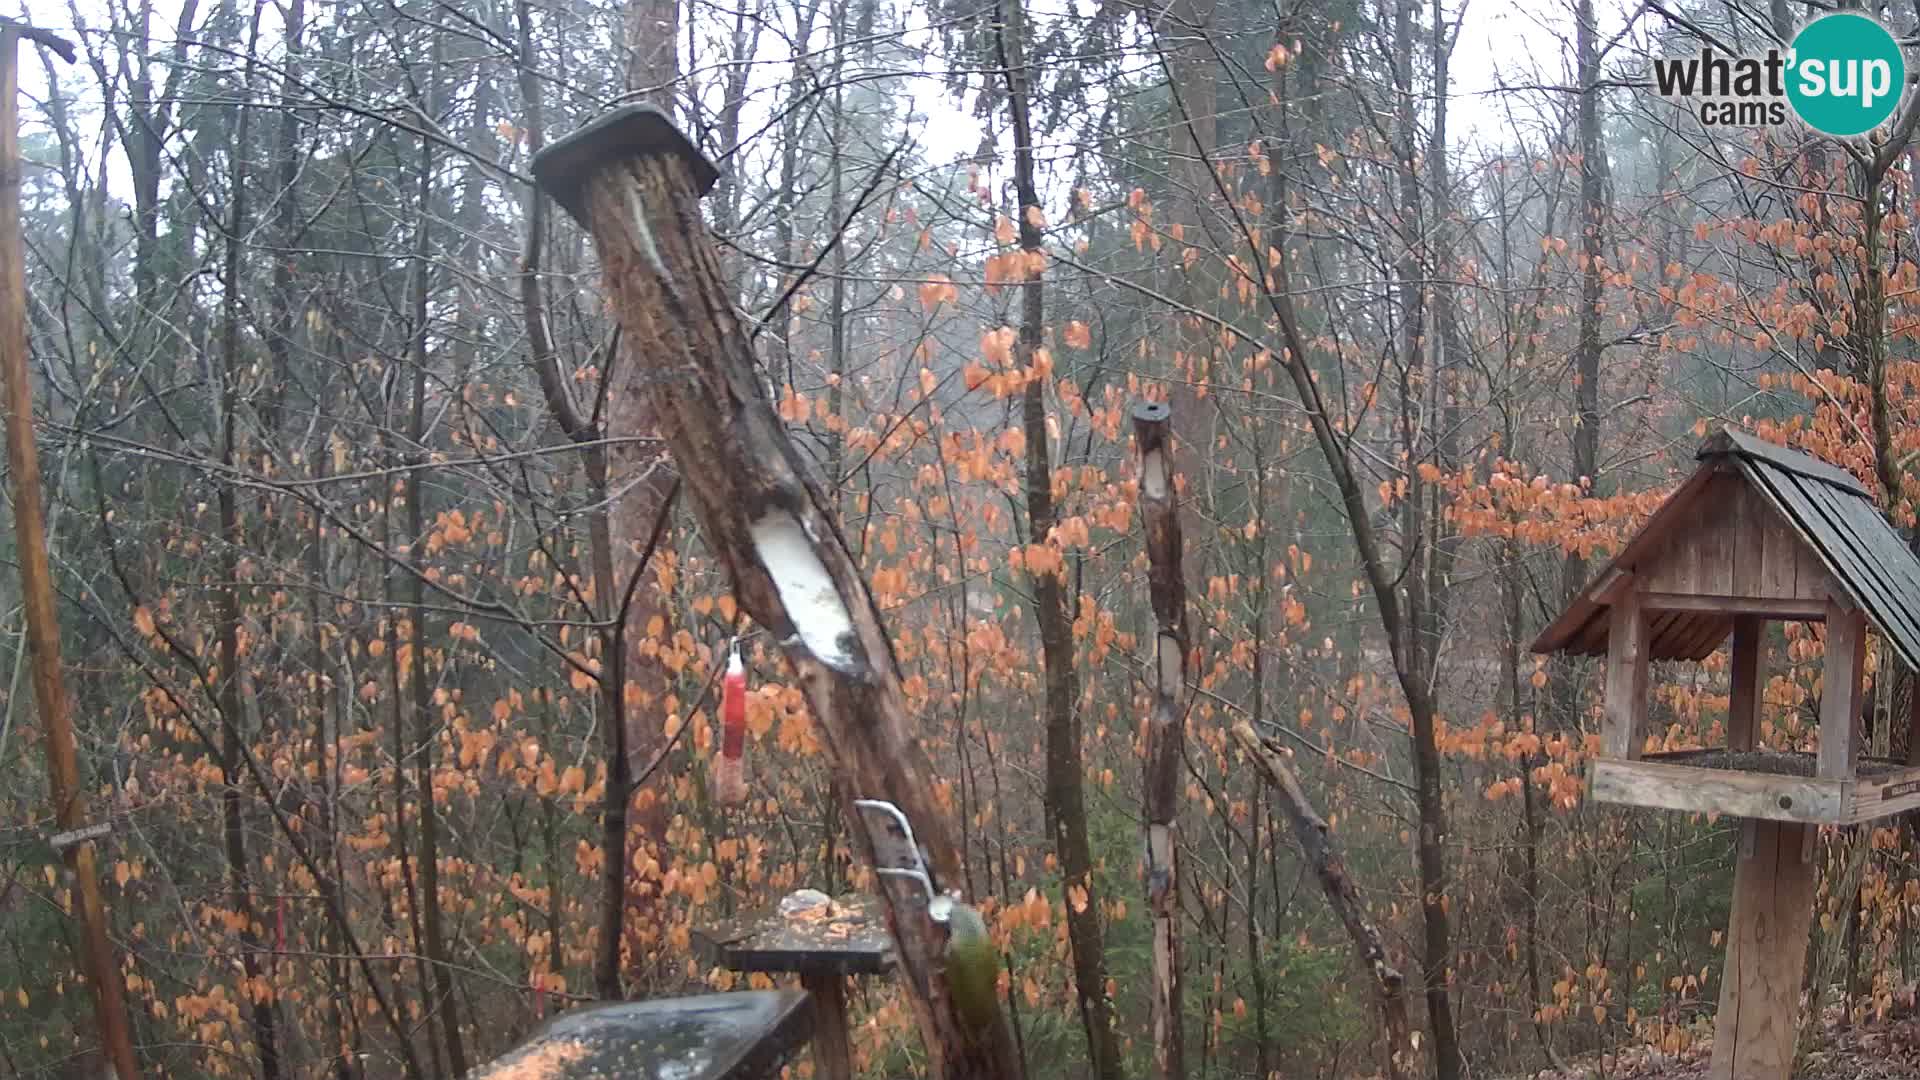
{"x": 973, "y": 967}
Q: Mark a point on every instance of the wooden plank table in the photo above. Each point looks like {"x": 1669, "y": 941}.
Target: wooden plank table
{"x": 849, "y": 939}
{"x": 743, "y": 1036}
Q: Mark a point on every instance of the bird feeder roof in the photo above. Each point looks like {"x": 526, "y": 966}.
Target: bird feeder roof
{"x": 1829, "y": 516}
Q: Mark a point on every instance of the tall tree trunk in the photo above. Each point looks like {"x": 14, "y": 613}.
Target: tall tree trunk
{"x": 644, "y": 471}
{"x": 231, "y": 606}
{"x": 652, "y": 46}
{"x": 1593, "y": 224}
{"x": 443, "y": 1002}
{"x": 1065, "y": 798}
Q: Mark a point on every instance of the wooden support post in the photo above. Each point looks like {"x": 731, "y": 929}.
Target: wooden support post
{"x": 96, "y": 957}
{"x": 1773, "y": 886}
{"x": 1166, "y": 727}
{"x": 1840, "y": 733}
{"x": 832, "y": 1045}
{"x": 1626, "y": 693}
{"x": 1749, "y": 682}
{"x": 635, "y": 182}
{"x": 1913, "y": 717}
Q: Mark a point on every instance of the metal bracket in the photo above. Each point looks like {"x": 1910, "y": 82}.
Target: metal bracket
{"x": 888, "y": 859}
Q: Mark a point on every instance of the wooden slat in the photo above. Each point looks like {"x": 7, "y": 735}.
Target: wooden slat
{"x": 1842, "y": 537}
{"x": 1626, "y": 686}
{"x": 1766, "y": 955}
{"x": 1749, "y": 520}
{"x": 1884, "y": 796}
{"x": 1720, "y": 791}
{"x": 1780, "y": 554}
{"x": 1749, "y": 682}
{"x": 1717, "y": 539}
{"x": 1890, "y": 552}
{"x": 1674, "y": 567}
{"x": 1885, "y": 580}
{"x": 1764, "y": 607}
{"x": 1840, "y": 691}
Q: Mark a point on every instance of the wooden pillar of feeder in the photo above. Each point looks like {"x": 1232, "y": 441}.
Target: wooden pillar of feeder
{"x": 1840, "y": 689}
{"x": 832, "y": 1044}
{"x": 634, "y": 182}
{"x": 1913, "y": 718}
{"x": 1749, "y": 683}
{"x": 1625, "y": 729}
{"x": 1773, "y": 885}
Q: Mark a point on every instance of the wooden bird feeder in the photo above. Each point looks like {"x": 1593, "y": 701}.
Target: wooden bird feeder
{"x": 1758, "y": 532}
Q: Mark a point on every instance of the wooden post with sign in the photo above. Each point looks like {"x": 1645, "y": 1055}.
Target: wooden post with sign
{"x": 96, "y": 957}
{"x": 635, "y": 182}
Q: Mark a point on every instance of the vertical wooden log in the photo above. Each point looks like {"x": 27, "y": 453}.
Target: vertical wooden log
{"x": 1749, "y": 682}
{"x": 96, "y": 957}
{"x": 1626, "y": 704}
{"x": 1773, "y": 886}
{"x": 1913, "y": 717}
{"x": 832, "y": 1045}
{"x": 1166, "y": 727}
{"x": 1840, "y": 689}
{"x": 635, "y": 182}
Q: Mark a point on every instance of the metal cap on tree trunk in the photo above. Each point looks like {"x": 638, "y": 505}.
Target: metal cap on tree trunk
{"x": 564, "y": 166}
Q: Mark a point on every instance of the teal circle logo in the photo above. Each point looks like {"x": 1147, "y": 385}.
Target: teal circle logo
{"x": 1847, "y": 74}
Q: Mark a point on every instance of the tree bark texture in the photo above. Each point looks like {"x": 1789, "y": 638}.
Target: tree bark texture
{"x": 1065, "y": 769}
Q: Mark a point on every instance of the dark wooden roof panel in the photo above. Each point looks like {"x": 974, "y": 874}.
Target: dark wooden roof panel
{"x": 1856, "y": 544}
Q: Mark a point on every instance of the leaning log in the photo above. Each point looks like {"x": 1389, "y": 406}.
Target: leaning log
{"x": 1312, "y": 833}
{"x": 635, "y": 182}
{"x": 1166, "y": 726}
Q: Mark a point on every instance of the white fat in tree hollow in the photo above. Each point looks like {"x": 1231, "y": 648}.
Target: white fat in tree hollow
{"x": 806, "y": 589}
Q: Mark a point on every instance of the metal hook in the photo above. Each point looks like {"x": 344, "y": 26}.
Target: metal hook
{"x": 916, "y": 872}
{"x": 912, "y": 875}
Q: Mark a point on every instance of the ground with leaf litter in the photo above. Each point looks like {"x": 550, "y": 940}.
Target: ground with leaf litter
{"x": 1888, "y": 1050}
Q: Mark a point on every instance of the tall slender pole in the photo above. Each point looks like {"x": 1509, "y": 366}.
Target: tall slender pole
{"x": 36, "y": 576}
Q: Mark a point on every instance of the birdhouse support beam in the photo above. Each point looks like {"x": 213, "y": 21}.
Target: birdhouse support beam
{"x": 1773, "y": 885}
{"x": 1840, "y": 734}
{"x": 1626, "y": 692}
{"x": 1749, "y": 682}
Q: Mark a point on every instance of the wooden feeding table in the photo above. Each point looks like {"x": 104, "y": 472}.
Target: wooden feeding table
{"x": 745, "y": 1036}
{"x": 1757, "y": 533}
{"x": 823, "y": 944}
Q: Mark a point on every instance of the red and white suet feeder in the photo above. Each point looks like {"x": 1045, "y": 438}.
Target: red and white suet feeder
{"x": 730, "y": 769}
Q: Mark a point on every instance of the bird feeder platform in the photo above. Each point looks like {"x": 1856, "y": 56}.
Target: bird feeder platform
{"x": 1757, "y": 533}
{"x": 846, "y": 937}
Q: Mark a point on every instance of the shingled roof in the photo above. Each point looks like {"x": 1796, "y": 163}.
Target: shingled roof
{"x": 1825, "y": 508}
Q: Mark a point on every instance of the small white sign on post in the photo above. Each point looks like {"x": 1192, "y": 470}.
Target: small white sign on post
{"x": 65, "y": 840}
